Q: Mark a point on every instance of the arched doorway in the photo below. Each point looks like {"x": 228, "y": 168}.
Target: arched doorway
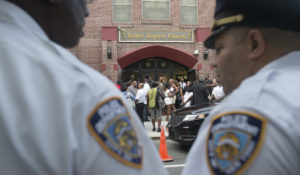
{"x": 154, "y": 68}
{"x": 156, "y": 61}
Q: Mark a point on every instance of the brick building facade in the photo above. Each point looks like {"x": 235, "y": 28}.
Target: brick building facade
{"x": 164, "y": 47}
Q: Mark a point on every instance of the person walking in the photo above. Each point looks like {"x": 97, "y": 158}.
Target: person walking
{"x": 255, "y": 129}
{"x": 58, "y": 115}
{"x": 153, "y": 106}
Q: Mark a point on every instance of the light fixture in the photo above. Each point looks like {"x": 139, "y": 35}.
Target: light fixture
{"x": 148, "y": 64}
{"x": 163, "y": 64}
{"x": 206, "y": 53}
{"x": 109, "y": 53}
{"x": 196, "y": 52}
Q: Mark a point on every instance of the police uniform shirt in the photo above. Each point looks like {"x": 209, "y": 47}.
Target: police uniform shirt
{"x": 255, "y": 130}
{"x": 56, "y": 114}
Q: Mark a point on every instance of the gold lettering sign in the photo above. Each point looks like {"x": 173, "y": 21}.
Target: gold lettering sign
{"x": 122, "y": 1}
{"x": 132, "y": 35}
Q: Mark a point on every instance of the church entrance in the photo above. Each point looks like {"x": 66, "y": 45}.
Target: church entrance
{"x": 156, "y": 67}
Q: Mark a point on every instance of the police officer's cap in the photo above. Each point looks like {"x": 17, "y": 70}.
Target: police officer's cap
{"x": 284, "y": 14}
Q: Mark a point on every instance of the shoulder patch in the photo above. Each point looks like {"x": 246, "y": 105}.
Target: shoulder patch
{"x": 234, "y": 140}
{"x": 110, "y": 124}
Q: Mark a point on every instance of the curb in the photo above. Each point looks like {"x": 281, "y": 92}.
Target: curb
{"x": 157, "y": 138}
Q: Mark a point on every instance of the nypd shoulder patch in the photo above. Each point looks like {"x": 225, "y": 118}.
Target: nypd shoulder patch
{"x": 234, "y": 140}
{"x": 110, "y": 124}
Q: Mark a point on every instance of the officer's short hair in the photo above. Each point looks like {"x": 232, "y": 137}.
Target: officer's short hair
{"x": 280, "y": 37}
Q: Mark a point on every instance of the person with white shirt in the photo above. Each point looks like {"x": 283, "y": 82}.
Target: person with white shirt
{"x": 218, "y": 91}
{"x": 140, "y": 99}
{"x": 169, "y": 99}
{"x": 146, "y": 89}
{"x": 58, "y": 115}
{"x": 188, "y": 95}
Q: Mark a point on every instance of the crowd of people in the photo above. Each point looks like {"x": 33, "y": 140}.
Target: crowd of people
{"x": 152, "y": 98}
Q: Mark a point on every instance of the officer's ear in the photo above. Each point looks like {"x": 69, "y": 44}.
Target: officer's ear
{"x": 53, "y": 2}
{"x": 256, "y": 44}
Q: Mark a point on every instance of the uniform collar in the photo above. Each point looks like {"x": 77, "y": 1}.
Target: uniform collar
{"x": 286, "y": 61}
{"x": 12, "y": 14}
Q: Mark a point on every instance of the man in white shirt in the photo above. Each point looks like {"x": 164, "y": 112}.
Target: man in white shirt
{"x": 218, "y": 91}
{"x": 146, "y": 89}
{"x": 140, "y": 101}
{"x": 57, "y": 115}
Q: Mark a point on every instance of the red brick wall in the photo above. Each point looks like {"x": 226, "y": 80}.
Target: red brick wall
{"x": 93, "y": 51}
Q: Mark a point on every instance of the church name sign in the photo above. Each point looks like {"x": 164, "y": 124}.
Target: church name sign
{"x": 133, "y": 35}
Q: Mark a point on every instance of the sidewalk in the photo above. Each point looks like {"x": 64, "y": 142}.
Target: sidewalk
{"x": 152, "y": 134}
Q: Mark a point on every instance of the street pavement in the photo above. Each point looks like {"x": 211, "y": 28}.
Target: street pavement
{"x": 155, "y": 135}
{"x": 175, "y": 150}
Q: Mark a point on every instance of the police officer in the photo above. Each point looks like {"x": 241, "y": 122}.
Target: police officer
{"x": 255, "y": 129}
{"x": 57, "y": 115}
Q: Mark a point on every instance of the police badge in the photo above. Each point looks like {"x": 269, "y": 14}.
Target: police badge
{"x": 110, "y": 124}
{"x": 234, "y": 140}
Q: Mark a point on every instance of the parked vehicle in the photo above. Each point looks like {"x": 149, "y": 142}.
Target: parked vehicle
{"x": 185, "y": 122}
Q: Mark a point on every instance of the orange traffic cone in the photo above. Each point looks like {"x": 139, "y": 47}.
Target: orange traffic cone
{"x": 163, "y": 147}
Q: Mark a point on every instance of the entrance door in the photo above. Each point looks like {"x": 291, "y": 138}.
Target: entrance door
{"x": 155, "y": 74}
{"x": 166, "y": 75}
{"x": 151, "y": 75}
{"x": 155, "y": 68}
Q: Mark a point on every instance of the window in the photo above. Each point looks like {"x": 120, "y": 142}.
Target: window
{"x": 189, "y": 11}
{"x": 122, "y": 11}
{"x": 156, "y": 9}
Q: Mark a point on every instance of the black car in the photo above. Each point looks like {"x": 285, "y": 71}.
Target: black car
{"x": 185, "y": 122}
